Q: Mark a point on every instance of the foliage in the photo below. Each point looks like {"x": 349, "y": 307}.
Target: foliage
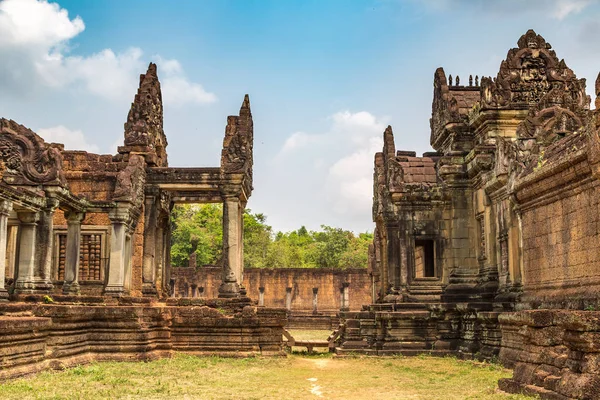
{"x": 330, "y": 247}
{"x": 201, "y": 223}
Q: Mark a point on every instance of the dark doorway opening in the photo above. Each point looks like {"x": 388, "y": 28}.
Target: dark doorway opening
{"x": 424, "y": 259}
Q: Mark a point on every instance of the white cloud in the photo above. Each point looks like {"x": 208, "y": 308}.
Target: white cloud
{"x": 34, "y": 48}
{"x": 562, "y": 8}
{"x": 558, "y": 9}
{"x": 343, "y": 157}
{"x": 36, "y": 23}
{"x": 72, "y": 139}
{"x": 298, "y": 140}
{"x": 177, "y": 90}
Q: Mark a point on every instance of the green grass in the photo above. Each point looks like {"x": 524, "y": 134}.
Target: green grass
{"x": 294, "y": 377}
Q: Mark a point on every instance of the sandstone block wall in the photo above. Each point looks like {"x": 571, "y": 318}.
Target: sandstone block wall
{"x": 276, "y": 282}
{"x": 555, "y": 353}
{"x": 561, "y": 233}
{"x": 37, "y": 337}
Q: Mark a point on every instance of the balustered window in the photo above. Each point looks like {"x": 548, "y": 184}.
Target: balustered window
{"x": 93, "y": 255}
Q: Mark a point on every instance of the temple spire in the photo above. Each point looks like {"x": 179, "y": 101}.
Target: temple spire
{"x": 597, "y": 87}
{"x": 389, "y": 147}
{"x": 144, "y": 127}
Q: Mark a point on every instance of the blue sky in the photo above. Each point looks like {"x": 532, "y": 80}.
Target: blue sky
{"x": 324, "y": 77}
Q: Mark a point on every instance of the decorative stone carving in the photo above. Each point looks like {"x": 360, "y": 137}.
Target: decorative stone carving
{"x": 144, "y": 126}
{"x": 444, "y": 106}
{"x": 236, "y": 156}
{"x": 130, "y": 182}
{"x": 597, "y": 91}
{"x": 25, "y": 159}
{"x": 528, "y": 74}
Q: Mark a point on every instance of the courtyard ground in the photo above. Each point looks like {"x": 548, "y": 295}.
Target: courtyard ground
{"x": 299, "y": 376}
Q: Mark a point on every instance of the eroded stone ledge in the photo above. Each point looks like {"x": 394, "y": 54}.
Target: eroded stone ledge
{"x": 36, "y": 337}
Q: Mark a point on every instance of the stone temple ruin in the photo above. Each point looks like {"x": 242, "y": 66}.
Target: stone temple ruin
{"x": 91, "y": 234}
{"x": 488, "y": 247}
{"x": 485, "y": 248}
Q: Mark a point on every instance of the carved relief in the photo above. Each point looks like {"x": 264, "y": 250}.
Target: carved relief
{"x": 444, "y": 106}
{"x": 529, "y": 73}
{"x": 25, "y": 159}
{"x": 396, "y": 176}
{"x": 237, "y": 156}
{"x": 130, "y": 181}
{"x": 144, "y": 126}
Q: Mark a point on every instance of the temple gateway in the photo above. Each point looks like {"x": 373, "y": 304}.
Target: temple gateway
{"x": 485, "y": 248}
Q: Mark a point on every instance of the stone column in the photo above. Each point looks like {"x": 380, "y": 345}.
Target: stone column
{"x": 240, "y": 274}
{"x": 44, "y": 239}
{"x": 393, "y": 256}
{"x": 231, "y": 253}
{"x": 261, "y": 296}
{"x": 288, "y": 299}
{"x": 71, "y": 284}
{"x": 128, "y": 262}
{"x": 315, "y": 299}
{"x": 150, "y": 242}
{"x": 12, "y": 251}
{"x": 5, "y": 208}
{"x": 159, "y": 261}
{"x": 116, "y": 269}
{"x": 27, "y": 250}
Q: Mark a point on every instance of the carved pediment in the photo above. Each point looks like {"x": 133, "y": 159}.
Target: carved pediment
{"x": 25, "y": 159}
{"x": 530, "y": 72}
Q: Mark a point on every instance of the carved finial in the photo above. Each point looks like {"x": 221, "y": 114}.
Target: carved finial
{"x": 533, "y": 41}
{"x": 476, "y": 80}
{"x": 144, "y": 126}
{"x": 470, "y": 80}
{"x": 450, "y": 80}
{"x": 457, "y": 80}
{"x": 389, "y": 147}
{"x": 598, "y": 92}
{"x": 245, "y": 109}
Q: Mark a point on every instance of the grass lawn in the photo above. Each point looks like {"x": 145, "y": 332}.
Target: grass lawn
{"x": 294, "y": 377}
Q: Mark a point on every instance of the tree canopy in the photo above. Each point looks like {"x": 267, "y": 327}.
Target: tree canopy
{"x": 329, "y": 247}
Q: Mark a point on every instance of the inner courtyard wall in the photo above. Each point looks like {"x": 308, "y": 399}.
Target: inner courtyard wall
{"x": 275, "y": 284}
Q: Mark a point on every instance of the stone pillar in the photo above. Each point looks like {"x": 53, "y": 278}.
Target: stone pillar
{"x": 128, "y": 252}
{"x": 315, "y": 299}
{"x": 71, "y": 284}
{"x": 261, "y": 296}
{"x": 5, "y": 208}
{"x": 393, "y": 257}
{"x": 240, "y": 274}
{"x": 231, "y": 248}
{"x": 44, "y": 239}
{"x": 288, "y": 299}
{"x": 150, "y": 243}
{"x": 27, "y": 251}
{"x": 167, "y": 254}
{"x": 11, "y": 251}
{"x": 116, "y": 268}
{"x": 159, "y": 261}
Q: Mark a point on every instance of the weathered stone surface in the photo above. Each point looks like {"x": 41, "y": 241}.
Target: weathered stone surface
{"x": 503, "y": 217}
{"x": 37, "y": 337}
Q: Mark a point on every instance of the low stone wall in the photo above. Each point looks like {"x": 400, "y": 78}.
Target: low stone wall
{"x": 555, "y": 353}
{"x": 276, "y": 283}
{"x": 36, "y": 337}
{"x": 409, "y": 329}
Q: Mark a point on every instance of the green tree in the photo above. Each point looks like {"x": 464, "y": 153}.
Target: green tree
{"x": 199, "y": 222}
